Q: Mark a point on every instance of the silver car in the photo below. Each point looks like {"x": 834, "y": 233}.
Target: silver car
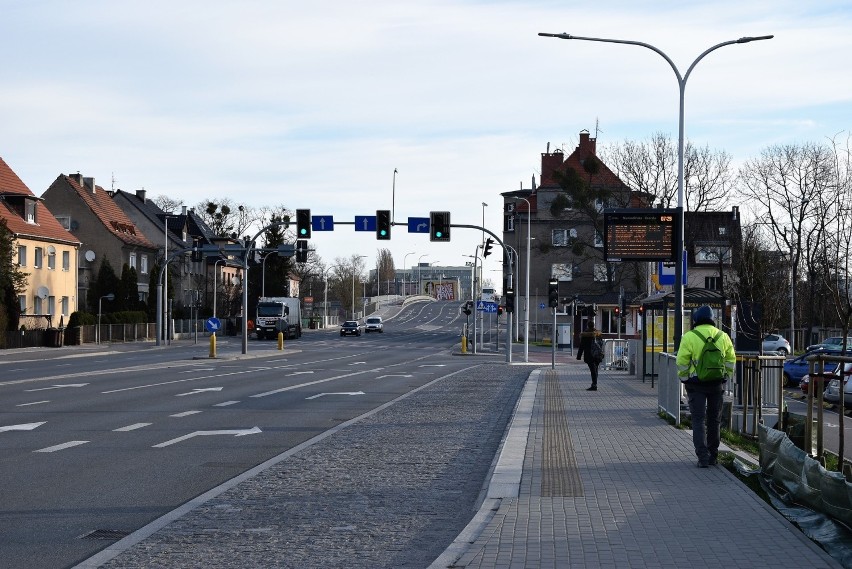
{"x": 832, "y": 391}
{"x": 776, "y": 343}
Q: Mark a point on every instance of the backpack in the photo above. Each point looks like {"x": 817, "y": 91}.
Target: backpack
{"x": 596, "y": 352}
{"x": 711, "y": 362}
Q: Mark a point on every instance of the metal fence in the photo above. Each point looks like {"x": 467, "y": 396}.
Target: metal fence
{"x": 616, "y": 354}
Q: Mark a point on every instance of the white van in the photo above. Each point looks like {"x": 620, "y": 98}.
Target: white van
{"x": 374, "y": 324}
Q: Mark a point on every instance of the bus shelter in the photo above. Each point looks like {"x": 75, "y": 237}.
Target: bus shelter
{"x": 658, "y": 323}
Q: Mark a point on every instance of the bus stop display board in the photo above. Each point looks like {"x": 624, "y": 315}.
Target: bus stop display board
{"x": 640, "y": 235}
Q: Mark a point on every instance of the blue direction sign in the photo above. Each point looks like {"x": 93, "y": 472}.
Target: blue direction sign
{"x": 483, "y": 306}
{"x": 213, "y": 324}
{"x": 418, "y": 225}
{"x": 322, "y": 222}
{"x": 365, "y": 223}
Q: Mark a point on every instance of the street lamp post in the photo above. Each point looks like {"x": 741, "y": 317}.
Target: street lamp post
{"x": 404, "y": 265}
{"x": 263, "y": 272}
{"x": 419, "y": 271}
{"x": 354, "y": 259}
{"x": 681, "y": 81}
{"x": 215, "y": 282}
{"x": 527, "y": 285}
{"x": 514, "y": 252}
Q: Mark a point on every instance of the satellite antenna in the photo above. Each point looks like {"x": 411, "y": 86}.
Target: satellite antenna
{"x": 42, "y": 292}
{"x": 51, "y": 250}
{"x": 90, "y": 255}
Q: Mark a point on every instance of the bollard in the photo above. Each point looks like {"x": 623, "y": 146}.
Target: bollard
{"x": 464, "y": 345}
{"x": 280, "y": 340}
{"x": 213, "y": 345}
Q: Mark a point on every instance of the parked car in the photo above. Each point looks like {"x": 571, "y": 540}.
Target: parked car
{"x": 835, "y": 342}
{"x": 350, "y": 328}
{"x": 374, "y": 324}
{"x": 796, "y": 368}
{"x": 776, "y": 343}
{"x": 832, "y": 390}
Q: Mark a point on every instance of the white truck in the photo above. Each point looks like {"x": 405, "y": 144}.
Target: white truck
{"x": 278, "y": 314}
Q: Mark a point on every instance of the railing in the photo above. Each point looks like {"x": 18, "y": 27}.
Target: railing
{"x": 616, "y": 354}
{"x": 668, "y": 385}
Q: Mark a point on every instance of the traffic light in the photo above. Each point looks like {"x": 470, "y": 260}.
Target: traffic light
{"x": 301, "y": 251}
{"x": 487, "y": 250}
{"x": 510, "y": 300}
{"x": 623, "y": 305}
{"x": 196, "y": 256}
{"x": 499, "y": 310}
{"x": 383, "y": 224}
{"x": 467, "y": 307}
{"x": 303, "y": 223}
{"x": 553, "y": 293}
{"x": 439, "y": 226}
{"x": 618, "y": 311}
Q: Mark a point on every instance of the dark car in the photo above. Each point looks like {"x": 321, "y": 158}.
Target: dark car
{"x": 350, "y": 328}
{"x": 796, "y": 368}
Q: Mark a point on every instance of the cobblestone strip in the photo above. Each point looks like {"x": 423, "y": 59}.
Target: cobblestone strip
{"x": 560, "y": 476}
{"x": 392, "y": 490}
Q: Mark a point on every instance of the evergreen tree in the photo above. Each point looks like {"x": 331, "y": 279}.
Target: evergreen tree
{"x": 107, "y": 282}
{"x": 12, "y": 280}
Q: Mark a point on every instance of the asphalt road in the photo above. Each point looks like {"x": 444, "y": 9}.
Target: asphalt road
{"x": 95, "y": 440}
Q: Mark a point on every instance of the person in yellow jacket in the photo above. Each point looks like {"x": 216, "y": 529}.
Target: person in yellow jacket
{"x": 705, "y": 395}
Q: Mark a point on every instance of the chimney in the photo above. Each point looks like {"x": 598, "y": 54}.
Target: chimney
{"x": 549, "y": 164}
{"x": 184, "y": 211}
{"x": 89, "y": 184}
{"x": 78, "y": 177}
{"x": 735, "y": 212}
{"x": 587, "y": 144}
{"x": 141, "y": 195}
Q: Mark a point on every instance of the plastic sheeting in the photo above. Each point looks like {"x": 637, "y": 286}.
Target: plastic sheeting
{"x": 817, "y": 500}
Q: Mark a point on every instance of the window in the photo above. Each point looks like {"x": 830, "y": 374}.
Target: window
{"x": 51, "y": 305}
{"x": 711, "y": 255}
{"x": 64, "y": 221}
{"x": 610, "y": 322}
{"x": 132, "y": 261}
{"x": 143, "y": 265}
{"x": 563, "y": 237}
{"x": 37, "y": 305}
{"x": 599, "y": 243}
{"x": 64, "y": 305}
{"x": 66, "y": 261}
{"x": 509, "y": 226}
{"x": 31, "y": 211}
{"x": 39, "y": 257}
{"x": 562, "y": 271}
{"x": 713, "y": 283}
{"x": 601, "y": 272}
{"x": 51, "y": 261}
{"x": 22, "y": 255}
{"x": 22, "y": 303}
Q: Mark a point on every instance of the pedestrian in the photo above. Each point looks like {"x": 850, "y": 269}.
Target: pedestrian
{"x": 705, "y": 361}
{"x": 591, "y": 352}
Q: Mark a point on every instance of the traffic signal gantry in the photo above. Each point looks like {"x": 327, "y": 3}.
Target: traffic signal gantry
{"x": 439, "y": 226}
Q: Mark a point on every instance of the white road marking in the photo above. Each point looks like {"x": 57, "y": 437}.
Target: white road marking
{"x": 395, "y": 375}
{"x": 33, "y": 403}
{"x": 63, "y": 446}
{"x": 339, "y": 393}
{"x": 290, "y": 388}
{"x": 57, "y": 387}
{"x": 22, "y": 427}
{"x": 185, "y": 414}
{"x": 236, "y": 433}
{"x": 199, "y": 390}
{"x": 226, "y": 403}
{"x": 132, "y": 427}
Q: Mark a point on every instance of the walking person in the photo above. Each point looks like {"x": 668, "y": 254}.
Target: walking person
{"x": 705, "y": 361}
{"x": 591, "y": 351}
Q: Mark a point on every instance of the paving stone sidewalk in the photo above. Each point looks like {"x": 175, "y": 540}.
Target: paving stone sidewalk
{"x": 607, "y": 483}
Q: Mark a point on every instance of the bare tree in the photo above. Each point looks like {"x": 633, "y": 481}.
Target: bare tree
{"x": 168, "y": 204}
{"x": 650, "y": 167}
{"x": 345, "y": 282}
{"x": 788, "y": 188}
{"x": 227, "y": 219}
{"x": 386, "y": 270}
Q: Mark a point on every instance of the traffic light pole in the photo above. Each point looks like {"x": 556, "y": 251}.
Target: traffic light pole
{"x": 505, "y": 252}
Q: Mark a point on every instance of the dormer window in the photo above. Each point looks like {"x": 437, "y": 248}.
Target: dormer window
{"x": 30, "y": 206}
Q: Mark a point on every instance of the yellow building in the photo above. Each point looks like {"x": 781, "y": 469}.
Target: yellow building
{"x": 46, "y": 252}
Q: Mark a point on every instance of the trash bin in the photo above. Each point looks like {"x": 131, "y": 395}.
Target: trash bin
{"x": 53, "y": 338}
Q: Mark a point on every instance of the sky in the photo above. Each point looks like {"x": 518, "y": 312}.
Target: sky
{"x": 316, "y": 104}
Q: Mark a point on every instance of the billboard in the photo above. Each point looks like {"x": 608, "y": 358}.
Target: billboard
{"x": 441, "y": 290}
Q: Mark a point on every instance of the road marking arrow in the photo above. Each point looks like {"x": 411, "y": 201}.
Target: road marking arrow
{"x": 339, "y": 393}
{"x": 235, "y": 432}
{"x": 197, "y": 391}
{"x": 22, "y": 427}
{"x": 58, "y": 387}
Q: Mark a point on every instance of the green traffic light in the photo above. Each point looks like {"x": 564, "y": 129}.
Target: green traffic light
{"x": 439, "y": 234}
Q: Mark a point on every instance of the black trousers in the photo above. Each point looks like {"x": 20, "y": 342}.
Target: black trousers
{"x": 593, "y": 368}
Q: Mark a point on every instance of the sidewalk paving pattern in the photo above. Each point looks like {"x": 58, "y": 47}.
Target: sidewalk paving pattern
{"x": 583, "y": 479}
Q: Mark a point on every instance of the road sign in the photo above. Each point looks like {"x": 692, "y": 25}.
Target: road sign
{"x": 666, "y": 272}
{"x": 418, "y": 225}
{"x": 483, "y": 306}
{"x": 212, "y": 324}
{"x": 322, "y": 222}
{"x": 542, "y": 305}
{"x": 365, "y": 223}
